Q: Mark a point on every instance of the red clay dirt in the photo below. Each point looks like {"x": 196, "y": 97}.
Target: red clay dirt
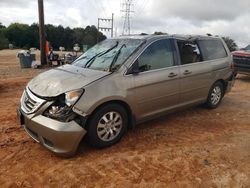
{"x": 196, "y": 147}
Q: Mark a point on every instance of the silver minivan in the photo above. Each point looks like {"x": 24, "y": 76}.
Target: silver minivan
{"x": 121, "y": 82}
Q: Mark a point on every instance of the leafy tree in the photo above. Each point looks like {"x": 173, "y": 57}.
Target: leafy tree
{"x": 92, "y": 35}
{"x": 230, "y": 43}
{"x": 27, "y": 36}
{"x": 3, "y": 40}
{"x": 78, "y": 35}
{"x": 2, "y": 26}
{"x": 17, "y": 34}
{"x": 159, "y": 33}
{"x": 33, "y": 36}
{"x": 68, "y": 38}
{"x": 54, "y": 35}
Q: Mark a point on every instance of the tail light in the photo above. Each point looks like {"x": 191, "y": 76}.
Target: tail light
{"x": 232, "y": 65}
{"x": 232, "y": 62}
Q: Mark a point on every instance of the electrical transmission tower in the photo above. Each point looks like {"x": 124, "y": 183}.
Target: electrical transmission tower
{"x": 126, "y": 10}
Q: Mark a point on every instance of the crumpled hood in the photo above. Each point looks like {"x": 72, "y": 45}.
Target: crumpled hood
{"x": 62, "y": 79}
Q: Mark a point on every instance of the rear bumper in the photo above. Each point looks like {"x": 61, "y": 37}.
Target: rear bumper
{"x": 59, "y": 137}
{"x": 230, "y": 83}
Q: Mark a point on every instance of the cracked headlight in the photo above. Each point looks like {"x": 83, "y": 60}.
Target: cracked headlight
{"x": 61, "y": 108}
{"x": 71, "y": 97}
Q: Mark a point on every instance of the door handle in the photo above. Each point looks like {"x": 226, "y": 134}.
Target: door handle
{"x": 187, "y": 72}
{"x": 172, "y": 74}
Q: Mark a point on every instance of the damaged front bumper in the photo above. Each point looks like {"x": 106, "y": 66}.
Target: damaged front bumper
{"x": 61, "y": 138}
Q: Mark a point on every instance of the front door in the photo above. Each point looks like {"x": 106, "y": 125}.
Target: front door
{"x": 157, "y": 84}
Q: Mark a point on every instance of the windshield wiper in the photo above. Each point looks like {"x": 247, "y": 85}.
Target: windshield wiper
{"x": 90, "y": 61}
{"x": 116, "y": 57}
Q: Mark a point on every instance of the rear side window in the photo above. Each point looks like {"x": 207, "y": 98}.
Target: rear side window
{"x": 158, "y": 55}
{"x": 247, "y": 48}
{"x": 189, "y": 52}
{"x": 212, "y": 49}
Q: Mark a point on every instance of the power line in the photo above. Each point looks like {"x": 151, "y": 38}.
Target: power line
{"x": 100, "y": 7}
{"x": 126, "y": 10}
{"x": 141, "y": 7}
{"x": 94, "y": 5}
{"x": 103, "y": 8}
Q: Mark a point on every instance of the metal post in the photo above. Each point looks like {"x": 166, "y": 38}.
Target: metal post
{"x": 112, "y": 26}
{"x": 42, "y": 32}
{"x": 109, "y": 28}
{"x": 98, "y": 25}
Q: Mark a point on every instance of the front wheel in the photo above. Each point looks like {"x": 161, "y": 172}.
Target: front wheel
{"x": 107, "y": 126}
{"x": 215, "y": 95}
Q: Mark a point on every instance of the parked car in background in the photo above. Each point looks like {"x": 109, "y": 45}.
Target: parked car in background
{"x": 121, "y": 82}
{"x": 241, "y": 60}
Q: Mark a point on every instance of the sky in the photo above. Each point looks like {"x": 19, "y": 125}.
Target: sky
{"x": 218, "y": 17}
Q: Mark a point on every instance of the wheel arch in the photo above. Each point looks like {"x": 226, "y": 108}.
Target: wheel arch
{"x": 131, "y": 118}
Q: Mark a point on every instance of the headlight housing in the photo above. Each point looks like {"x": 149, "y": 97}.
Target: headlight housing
{"x": 61, "y": 108}
{"x": 71, "y": 97}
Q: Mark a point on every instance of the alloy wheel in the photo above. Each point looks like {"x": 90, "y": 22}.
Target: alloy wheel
{"x": 109, "y": 126}
{"x": 216, "y": 95}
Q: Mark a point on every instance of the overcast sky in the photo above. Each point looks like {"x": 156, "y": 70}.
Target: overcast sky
{"x": 218, "y": 17}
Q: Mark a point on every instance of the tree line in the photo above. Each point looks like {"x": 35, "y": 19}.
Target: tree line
{"x": 26, "y": 36}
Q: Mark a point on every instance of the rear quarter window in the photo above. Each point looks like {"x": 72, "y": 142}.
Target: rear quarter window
{"x": 212, "y": 49}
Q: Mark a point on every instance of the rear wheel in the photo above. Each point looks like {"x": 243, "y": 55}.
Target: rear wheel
{"x": 235, "y": 74}
{"x": 215, "y": 95}
{"x": 107, "y": 125}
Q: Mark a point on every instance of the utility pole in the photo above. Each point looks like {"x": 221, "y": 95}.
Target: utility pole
{"x": 112, "y": 26}
{"x": 116, "y": 32}
{"x": 126, "y": 10}
{"x": 42, "y": 32}
{"x": 110, "y": 22}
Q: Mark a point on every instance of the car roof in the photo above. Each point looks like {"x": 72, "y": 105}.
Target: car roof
{"x": 194, "y": 37}
{"x": 132, "y": 37}
{"x": 176, "y": 36}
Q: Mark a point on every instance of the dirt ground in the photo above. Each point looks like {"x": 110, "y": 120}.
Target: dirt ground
{"x": 192, "y": 148}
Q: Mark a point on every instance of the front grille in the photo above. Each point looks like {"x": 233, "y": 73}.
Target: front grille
{"x": 29, "y": 102}
{"x": 240, "y": 60}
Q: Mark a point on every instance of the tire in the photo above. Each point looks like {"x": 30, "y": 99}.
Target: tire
{"x": 107, "y": 126}
{"x": 235, "y": 74}
{"x": 215, "y": 95}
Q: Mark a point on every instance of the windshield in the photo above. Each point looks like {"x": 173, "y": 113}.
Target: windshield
{"x": 247, "y": 48}
{"x": 109, "y": 54}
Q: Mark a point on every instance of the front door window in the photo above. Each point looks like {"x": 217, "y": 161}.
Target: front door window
{"x": 156, "y": 56}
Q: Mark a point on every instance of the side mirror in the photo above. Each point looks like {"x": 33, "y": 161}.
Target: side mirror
{"x": 134, "y": 69}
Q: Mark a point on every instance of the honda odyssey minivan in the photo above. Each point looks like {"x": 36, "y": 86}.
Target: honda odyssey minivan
{"x": 121, "y": 82}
